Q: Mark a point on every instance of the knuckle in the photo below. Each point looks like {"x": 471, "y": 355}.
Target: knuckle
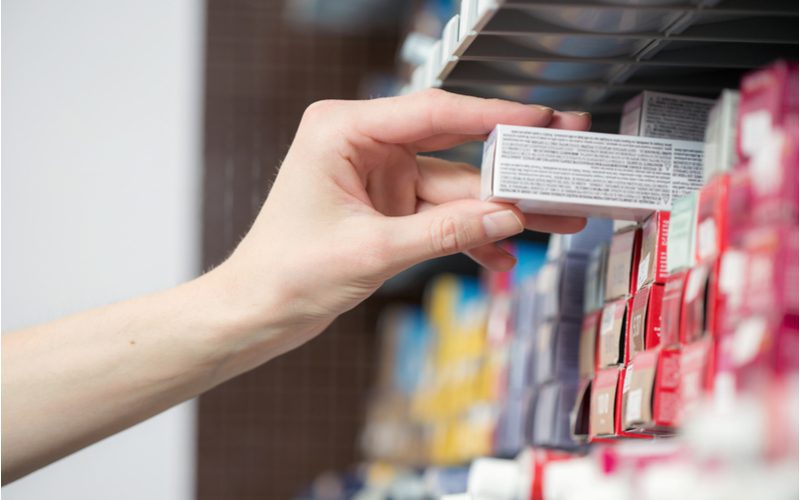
{"x": 319, "y": 109}
{"x": 447, "y": 236}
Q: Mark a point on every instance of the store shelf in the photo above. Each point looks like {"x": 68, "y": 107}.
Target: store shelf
{"x": 595, "y": 55}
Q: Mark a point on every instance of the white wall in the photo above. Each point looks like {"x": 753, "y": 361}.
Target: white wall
{"x": 101, "y": 127}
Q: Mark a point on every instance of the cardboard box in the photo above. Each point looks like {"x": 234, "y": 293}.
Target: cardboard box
{"x": 560, "y": 288}
{"x": 650, "y": 394}
{"x": 582, "y": 243}
{"x": 579, "y": 416}
{"x": 771, "y": 283}
{"x": 556, "y": 351}
{"x": 712, "y": 205}
{"x": 694, "y": 324}
{"x": 681, "y": 234}
{"x": 611, "y": 339}
{"x": 667, "y": 116}
{"x": 644, "y": 330}
{"x": 622, "y": 264}
{"x": 653, "y": 261}
{"x": 739, "y": 212}
{"x": 603, "y": 403}
{"x": 696, "y": 374}
{"x": 544, "y": 415}
{"x": 587, "y": 353}
{"x": 719, "y": 154}
{"x": 605, "y": 412}
{"x": 671, "y": 308}
{"x": 594, "y": 290}
{"x": 775, "y": 175}
{"x": 768, "y": 101}
{"x": 587, "y": 174}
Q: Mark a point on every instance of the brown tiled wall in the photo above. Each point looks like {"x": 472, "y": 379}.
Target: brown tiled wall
{"x": 267, "y": 433}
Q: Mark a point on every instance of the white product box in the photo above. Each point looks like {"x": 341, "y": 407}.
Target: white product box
{"x": 666, "y": 116}
{"x": 720, "y": 149}
{"x": 587, "y": 174}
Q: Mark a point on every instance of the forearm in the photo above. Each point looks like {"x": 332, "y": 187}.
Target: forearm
{"x": 74, "y": 381}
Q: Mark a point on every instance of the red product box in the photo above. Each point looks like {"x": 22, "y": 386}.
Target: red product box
{"x": 771, "y": 282}
{"x": 762, "y": 346}
{"x": 611, "y": 337}
{"x": 694, "y": 324}
{"x": 712, "y": 204}
{"x": 729, "y": 294}
{"x": 644, "y": 326}
{"x": 650, "y": 393}
{"x": 740, "y": 207}
{"x": 605, "y": 407}
{"x": 622, "y": 264}
{"x": 671, "y": 308}
{"x": 696, "y": 373}
{"x": 653, "y": 262}
{"x": 587, "y": 350}
{"x": 768, "y": 100}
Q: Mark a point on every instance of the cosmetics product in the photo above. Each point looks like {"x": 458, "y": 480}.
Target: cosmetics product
{"x": 712, "y": 204}
{"x": 653, "y": 260}
{"x": 588, "y": 174}
{"x": 672, "y": 307}
{"x": 644, "y": 330}
{"x": 594, "y": 289}
{"x": 666, "y": 116}
{"x": 560, "y": 288}
{"x": 582, "y": 243}
{"x": 622, "y": 264}
{"x": 768, "y": 103}
{"x": 611, "y": 339}
{"x": 650, "y": 394}
{"x": 719, "y": 153}
{"x": 681, "y": 233}
{"x": 587, "y": 354}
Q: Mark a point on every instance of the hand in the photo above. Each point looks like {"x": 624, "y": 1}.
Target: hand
{"x": 353, "y": 205}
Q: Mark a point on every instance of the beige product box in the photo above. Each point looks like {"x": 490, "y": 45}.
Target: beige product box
{"x": 720, "y": 141}
{"x": 666, "y": 116}
{"x": 587, "y": 174}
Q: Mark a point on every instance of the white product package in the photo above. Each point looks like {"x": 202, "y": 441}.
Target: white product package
{"x": 587, "y": 174}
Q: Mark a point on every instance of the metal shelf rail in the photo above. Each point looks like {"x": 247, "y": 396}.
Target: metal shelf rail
{"x": 594, "y": 55}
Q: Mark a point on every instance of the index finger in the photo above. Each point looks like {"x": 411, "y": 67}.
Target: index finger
{"x": 416, "y": 117}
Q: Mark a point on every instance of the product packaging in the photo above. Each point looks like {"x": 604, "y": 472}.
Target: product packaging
{"x": 582, "y": 243}
{"x": 671, "y": 308}
{"x": 666, "y": 116}
{"x": 594, "y": 290}
{"x": 681, "y": 234}
{"x": 771, "y": 283}
{"x": 696, "y": 374}
{"x": 644, "y": 331}
{"x": 650, "y": 393}
{"x": 560, "y": 288}
{"x": 720, "y": 138}
{"x": 712, "y": 204}
{"x": 587, "y": 174}
{"x": 603, "y": 403}
{"x": 622, "y": 264}
{"x": 768, "y": 102}
{"x": 611, "y": 339}
{"x": 544, "y": 415}
{"x": 653, "y": 261}
{"x": 579, "y": 416}
{"x": 587, "y": 355}
{"x": 556, "y": 351}
{"x": 694, "y": 317}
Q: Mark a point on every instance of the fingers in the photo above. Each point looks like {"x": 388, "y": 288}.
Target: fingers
{"x": 571, "y": 120}
{"x": 441, "y": 181}
{"x": 420, "y": 116}
{"x": 492, "y": 257}
{"x": 554, "y": 223}
{"x": 447, "y": 229}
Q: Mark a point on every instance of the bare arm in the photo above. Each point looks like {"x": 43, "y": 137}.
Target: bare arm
{"x": 352, "y": 206}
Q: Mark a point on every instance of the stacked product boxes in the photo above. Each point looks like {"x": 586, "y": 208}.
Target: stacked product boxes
{"x": 683, "y": 324}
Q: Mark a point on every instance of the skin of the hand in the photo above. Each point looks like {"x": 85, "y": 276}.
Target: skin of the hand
{"x": 356, "y": 202}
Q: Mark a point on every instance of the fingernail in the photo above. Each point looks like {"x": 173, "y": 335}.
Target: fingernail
{"x": 543, "y": 108}
{"x": 581, "y": 113}
{"x": 502, "y": 224}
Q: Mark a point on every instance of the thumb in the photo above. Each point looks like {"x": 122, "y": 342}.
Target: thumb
{"x": 449, "y": 228}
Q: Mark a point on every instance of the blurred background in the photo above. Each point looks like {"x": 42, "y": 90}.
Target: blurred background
{"x": 141, "y": 138}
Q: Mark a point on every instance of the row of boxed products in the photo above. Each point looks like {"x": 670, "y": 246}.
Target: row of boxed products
{"x": 628, "y": 177}
{"x": 620, "y": 328}
{"x": 740, "y": 447}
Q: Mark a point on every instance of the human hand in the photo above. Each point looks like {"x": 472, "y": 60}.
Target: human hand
{"x": 353, "y": 205}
